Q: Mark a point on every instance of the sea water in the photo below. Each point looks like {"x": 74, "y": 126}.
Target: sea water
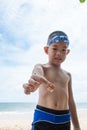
{"x": 27, "y": 107}
{"x": 16, "y": 110}
{"x": 16, "y": 107}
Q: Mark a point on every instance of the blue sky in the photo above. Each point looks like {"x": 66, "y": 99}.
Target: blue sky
{"x": 24, "y": 28}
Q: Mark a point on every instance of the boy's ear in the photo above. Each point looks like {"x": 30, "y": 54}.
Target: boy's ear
{"x": 68, "y": 51}
{"x": 46, "y": 49}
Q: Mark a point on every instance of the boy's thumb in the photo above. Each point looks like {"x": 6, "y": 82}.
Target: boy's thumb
{"x": 49, "y": 84}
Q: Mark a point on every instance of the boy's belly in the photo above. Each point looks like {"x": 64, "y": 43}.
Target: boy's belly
{"x": 58, "y": 99}
{"x": 54, "y": 102}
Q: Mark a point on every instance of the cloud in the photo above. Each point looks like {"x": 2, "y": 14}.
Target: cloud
{"x": 24, "y": 28}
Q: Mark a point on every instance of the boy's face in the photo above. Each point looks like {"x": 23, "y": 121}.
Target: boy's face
{"x": 57, "y": 52}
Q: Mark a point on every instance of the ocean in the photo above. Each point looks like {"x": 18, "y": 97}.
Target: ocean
{"x": 16, "y": 107}
{"x": 27, "y": 107}
{"x": 13, "y": 110}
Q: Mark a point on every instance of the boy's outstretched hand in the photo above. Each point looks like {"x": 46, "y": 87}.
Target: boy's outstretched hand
{"x": 35, "y": 82}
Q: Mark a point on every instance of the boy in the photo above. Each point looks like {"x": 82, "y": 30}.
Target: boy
{"x": 56, "y": 103}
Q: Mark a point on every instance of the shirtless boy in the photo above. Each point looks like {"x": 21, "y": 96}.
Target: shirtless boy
{"x": 56, "y": 104}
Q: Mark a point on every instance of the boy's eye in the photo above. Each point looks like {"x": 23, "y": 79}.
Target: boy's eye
{"x": 64, "y": 50}
{"x": 54, "y": 48}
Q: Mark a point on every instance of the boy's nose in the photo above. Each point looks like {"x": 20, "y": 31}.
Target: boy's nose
{"x": 58, "y": 52}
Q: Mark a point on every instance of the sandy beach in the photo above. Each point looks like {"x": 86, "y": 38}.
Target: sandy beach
{"x": 18, "y": 122}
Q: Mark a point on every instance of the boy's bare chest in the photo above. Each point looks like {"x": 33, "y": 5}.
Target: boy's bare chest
{"x": 57, "y": 77}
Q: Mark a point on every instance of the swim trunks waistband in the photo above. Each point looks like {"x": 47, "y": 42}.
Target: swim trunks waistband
{"x": 52, "y": 111}
{"x": 41, "y": 115}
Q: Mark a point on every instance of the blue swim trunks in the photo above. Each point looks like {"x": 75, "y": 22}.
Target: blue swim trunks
{"x": 49, "y": 119}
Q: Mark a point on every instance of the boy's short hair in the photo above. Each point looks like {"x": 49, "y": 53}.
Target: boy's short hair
{"x": 57, "y": 36}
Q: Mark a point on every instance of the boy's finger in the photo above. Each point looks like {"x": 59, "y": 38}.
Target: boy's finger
{"x": 33, "y": 82}
{"x": 36, "y": 78}
{"x": 39, "y": 79}
{"x": 42, "y": 79}
{"x": 25, "y": 85}
{"x": 51, "y": 87}
{"x": 26, "y": 88}
{"x": 27, "y": 91}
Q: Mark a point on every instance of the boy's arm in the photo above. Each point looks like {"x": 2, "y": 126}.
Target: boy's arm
{"x": 36, "y": 79}
{"x": 72, "y": 107}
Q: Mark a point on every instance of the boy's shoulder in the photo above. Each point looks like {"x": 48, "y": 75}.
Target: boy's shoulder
{"x": 68, "y": 73}
{"x": 41, "y": 65}
{"x": 38, "y": 69}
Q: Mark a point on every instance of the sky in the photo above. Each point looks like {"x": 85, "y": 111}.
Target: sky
{"x": 24, "y": 29}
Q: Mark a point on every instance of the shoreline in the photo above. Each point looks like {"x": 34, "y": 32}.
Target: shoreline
{"x": 23, "y": 120}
